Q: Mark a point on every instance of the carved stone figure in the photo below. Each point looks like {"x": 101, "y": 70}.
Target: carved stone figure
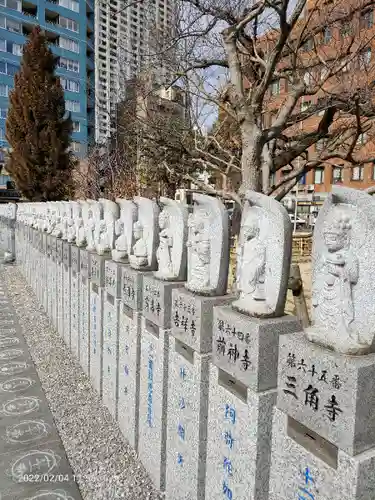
{"x": 145, "y": 233}
{"x": 80, "y": 224}
{"x": 263, "y": 258}
{"x": 75, "y": 209}
{"x": 208, "y": 246}
{"x": 343, "y": 291}
{"x": 58, "y": 229}
{"x": 106, "y": 238}
{"x": 90, "y": 226}
{"x": 124, "y": 230}
{"x": 171, "y": 253}
{"x": 66, "y": 219}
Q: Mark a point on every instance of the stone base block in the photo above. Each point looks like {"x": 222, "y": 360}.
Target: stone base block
{"x": 74, "y": 313}
{"x": 305, "y": 466}
{"x": 113, "y": 271}
{"x": 239, "y": 439}
{"x": 128, "y": 373}
{"x": 248, "y": 348}
{"x": 84, "y": 324}
{"x": 192, "y": 318}
{"x": 153, "y": 401}
{"x": 188, "y": 381}
{"x": 67, "y": 305}
{"x": 97, "y": 268}
{"x": 96, "y": 336}
{"x": 157, "y": 300}
{"x": 131, "y": 287}
{"x": 110, "y": 352}
{"x": 84, "y": 263}
{"x": 330, "y": 393}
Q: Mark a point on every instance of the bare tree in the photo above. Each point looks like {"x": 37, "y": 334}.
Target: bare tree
{"x": 236, "y": 56}
{"x": 105, "y": 172}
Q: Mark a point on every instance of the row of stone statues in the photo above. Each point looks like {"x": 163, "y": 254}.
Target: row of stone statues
{"x": 163, "y": 237}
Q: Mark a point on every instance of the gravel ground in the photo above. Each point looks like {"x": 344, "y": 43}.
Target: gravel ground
{"x": 105, "y": 465}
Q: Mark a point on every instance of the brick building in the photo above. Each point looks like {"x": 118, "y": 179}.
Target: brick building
{"x": 333, "y": 42}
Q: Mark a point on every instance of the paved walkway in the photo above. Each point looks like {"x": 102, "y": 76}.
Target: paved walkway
{"x": 33, "y": 464}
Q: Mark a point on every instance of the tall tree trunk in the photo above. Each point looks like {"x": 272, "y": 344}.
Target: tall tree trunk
{"x": 251, "y": 160}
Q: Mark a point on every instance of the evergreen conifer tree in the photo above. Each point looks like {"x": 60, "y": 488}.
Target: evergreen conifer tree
{"x": 38, "y": 128}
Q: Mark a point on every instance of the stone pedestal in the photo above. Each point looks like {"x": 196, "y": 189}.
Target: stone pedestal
{"x": 97, "y": 278}
{"x": 54, "y": 269}
{"x": 59, "y": 322}
{"x": 128, "y": 373}
{"x": 329, "y": 393}
{"x": 248, "y": 348}
{"x": 84, "y": 311}
{"x": 75, "y": 279}
{"x": 66, "y": 263}
{"x": 306, "y": 466}
{"x": 192, "y": 318}
{"x": 132, "y": 287}
{"x": 153, "y": 401}
{"x": 242, "y": 396}
{"x": 238, "y": 439}
{"x": 112, "y": 291}
{"x": 96, "y": 336}
{"x": 323, "y": 430}
{"x": 157, "y": 300}
{"x": 188, "y": 381}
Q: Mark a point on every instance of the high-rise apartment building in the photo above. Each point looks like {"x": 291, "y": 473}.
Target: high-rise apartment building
{"x": 69, "y": 26}
{"x": 124, "y": 40}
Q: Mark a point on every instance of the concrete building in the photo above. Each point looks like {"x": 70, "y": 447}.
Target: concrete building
{"x": 122, "y": 42}
{"x": 155, "y": 109}
{"x": 69, "y": 26}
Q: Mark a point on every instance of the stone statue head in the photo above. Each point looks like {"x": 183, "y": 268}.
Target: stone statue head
{"x": 336, "y": 230}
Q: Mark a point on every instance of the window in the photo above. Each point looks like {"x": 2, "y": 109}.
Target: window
{"x": 16, "y": 49}
{"x": 76, "y": 146}
{"x": 70, "y": 4}
{"x": 366, "y": 20}
{"x": 308, "y": 45}
{"x": 3, "y": 112}
{"x": 3, "y": 45}
{"x": 357, "y": 173}
{"x": 73, "y": 106}
{"x": 364, "y": 58}
{"x": 7, "y": 68}
{"x": 319, "y": 176}
{"x": 68, "y": 44}
{"x": 326, "y": 35}
{"x": 70, "y": 85}
{"x": 2, "y": 134}
{"x": 10, "y": 25}
{"x": 373, "y": 172}
{"x": 4, "y": 90}
{"x": 337, "y": 175}
{"x": 76, "y": 126}
{"x": 275, "y": 87}
{"x": 307, "y": 78}
{"x": 69, "y": 64}
{"x": 362, "y": 139}
{"x": 69, "y": 24}
{"x": 305, "y": 105}
{"x": 11, "y": 4}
